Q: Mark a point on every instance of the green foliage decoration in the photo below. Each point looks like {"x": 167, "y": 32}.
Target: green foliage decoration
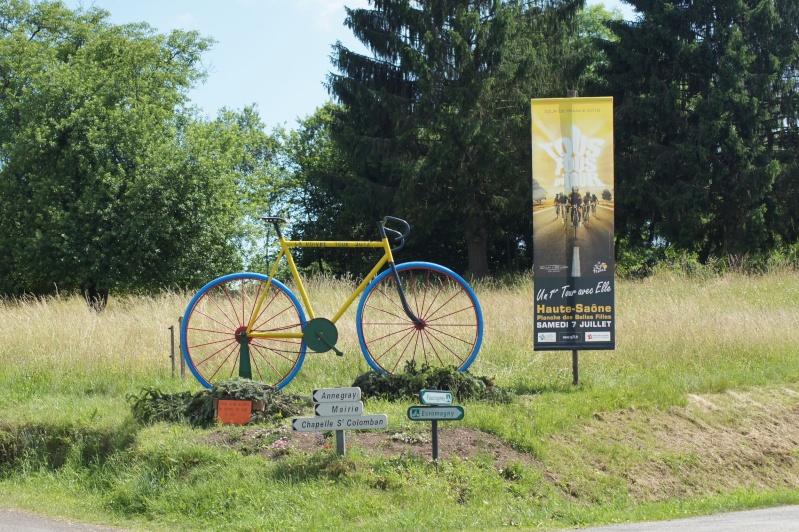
{"x": 152, "y": 405}
{"x": 406, "y": 385}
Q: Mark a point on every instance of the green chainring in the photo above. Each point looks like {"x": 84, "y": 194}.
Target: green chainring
{"x": 321, "y": 335}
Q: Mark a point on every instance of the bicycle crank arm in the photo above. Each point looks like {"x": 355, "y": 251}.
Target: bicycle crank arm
{"x": 321, "y": 337}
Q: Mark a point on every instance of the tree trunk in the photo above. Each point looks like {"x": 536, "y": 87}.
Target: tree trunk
{"x": 477, "y": 246}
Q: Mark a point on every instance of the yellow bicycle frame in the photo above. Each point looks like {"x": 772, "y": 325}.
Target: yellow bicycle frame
{"x": 285, "y": 250}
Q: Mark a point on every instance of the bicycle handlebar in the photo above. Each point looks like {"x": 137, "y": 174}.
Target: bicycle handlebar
{"x": 398, "y": 236}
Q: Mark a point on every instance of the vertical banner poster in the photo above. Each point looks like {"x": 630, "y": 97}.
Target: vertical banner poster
{"x": 573, "y": 200}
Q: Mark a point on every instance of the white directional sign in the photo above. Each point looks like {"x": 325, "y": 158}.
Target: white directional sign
{"x": 435, "y": 397}
{"x": 435, "y": 413}
{"x": 336, "y": 395}
{"x": 365, "y": 422}
{"x": 351, "y": 408}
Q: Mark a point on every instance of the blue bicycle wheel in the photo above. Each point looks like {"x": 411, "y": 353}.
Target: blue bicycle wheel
{"x": 212, "y": 332}
{"x": 451, "y": 328}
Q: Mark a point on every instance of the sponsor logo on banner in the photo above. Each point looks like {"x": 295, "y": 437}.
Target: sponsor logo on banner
{"x": 601, "y": 336}
{"x": 600, "y": 267}
{"x": 548, "y": 337}
{"x": 553, "y": 268}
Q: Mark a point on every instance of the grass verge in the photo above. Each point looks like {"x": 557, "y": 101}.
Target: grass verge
{"x": 693, "y": 413}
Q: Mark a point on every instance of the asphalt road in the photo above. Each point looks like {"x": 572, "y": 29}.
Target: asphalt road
{"x": 16, "y": 521}
{"x": 781, "y": 519}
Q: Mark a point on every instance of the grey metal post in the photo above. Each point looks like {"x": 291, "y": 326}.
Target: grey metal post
{"x": 341, "y": 441}
{"x": 172, "y": 348}
{"x": 575, "y": 371}
{"x": 575, "y": 356}
{"x": 434, "y": 430}
{"x": 435, "y": 439}
{"x": 182, "y": 360}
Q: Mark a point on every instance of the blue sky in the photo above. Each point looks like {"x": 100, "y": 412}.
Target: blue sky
{"x": 272, "y": 53}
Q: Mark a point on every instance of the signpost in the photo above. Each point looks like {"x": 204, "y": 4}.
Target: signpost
{"x": 333, "y": 395}
{"x": 339, "y": 423}
{"x": 435, "y": 397}
{"x": 436, "y": 406}
{"x": 339, "y": 409}
{"x": 435, "y": 413}
{"x": 354, "y": 408}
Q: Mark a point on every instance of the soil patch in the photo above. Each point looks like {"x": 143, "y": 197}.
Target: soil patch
{"x": 460, "y": 442}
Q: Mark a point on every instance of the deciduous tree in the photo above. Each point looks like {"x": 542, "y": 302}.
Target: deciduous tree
{"x": 107, "y": 180}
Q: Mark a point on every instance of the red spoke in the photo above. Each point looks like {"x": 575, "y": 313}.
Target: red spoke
{"x": 213, "y": 300}
{"x": 265, "y": 306}
{"x": 448, "y": 335}
{"x": 419, "y": 308}
{"x": 254, "y": 361}
{"x": 445, "y": 346}
{"x": 271, "y": 365}
{"x": 220, "y": 366}
{"x": 232, "y": 367}
{"x": 400, "y": 331}
{"x": 402, "y": 316}
{"x": 288, "y": 308}
{"x": 201, "y": 313}
{"x": 212, "y": 331}
{"x": 433, "y": 320}
{"x": 425, "y": 309}
{"x": 379, "y": 289}
{"x": 230, "y": 300}
{"x": 385, "y": 352}
{"x": 402, "y": 355}
{"x": 243, "y": 318}
{"x": 444, "y": 304}
{"x": 226, "y": 341}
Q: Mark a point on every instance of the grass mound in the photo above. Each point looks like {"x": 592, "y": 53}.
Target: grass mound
{"x": 406, "y": 385}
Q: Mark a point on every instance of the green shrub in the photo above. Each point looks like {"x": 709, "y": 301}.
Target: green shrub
{"x": 152, "y": 405}
{"x": 406, "y": 385}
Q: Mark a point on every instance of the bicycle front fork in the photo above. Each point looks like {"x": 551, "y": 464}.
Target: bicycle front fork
{"x": 416, "y": 321}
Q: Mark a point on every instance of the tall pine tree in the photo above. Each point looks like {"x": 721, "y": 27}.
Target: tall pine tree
{"x": 706, "y": 124}
{"x": 436, "y": 122}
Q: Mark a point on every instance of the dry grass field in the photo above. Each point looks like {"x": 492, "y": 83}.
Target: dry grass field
{"x": 676, "y": 327}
